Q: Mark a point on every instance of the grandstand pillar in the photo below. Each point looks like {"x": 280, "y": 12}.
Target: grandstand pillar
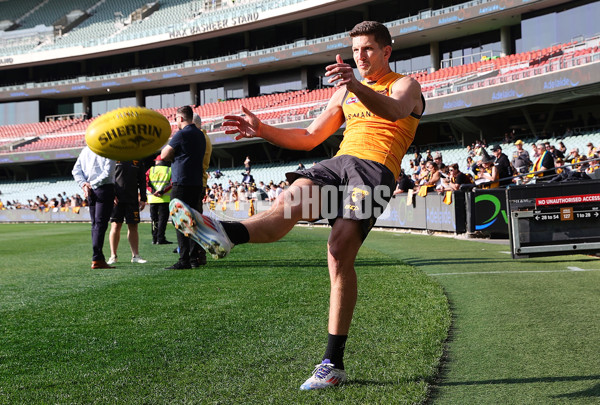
{"x": 194, "y": 95}
{"x": 505, "y": 40}
{"x": 139, "y": 98}
{"x": 304, "y": 77}
{"x": 434, "y": 52}
{"x": 87, "y": 106}
{"x": 246, "y": 86}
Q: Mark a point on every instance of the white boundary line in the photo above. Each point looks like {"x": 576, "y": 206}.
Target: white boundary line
{"x": 569, "y": 269}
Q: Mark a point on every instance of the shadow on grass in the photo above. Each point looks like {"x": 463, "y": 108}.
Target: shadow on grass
{"x": 593, "y": 392}
{"x": 472, "y": 260}
{"x": 522, "y": 380}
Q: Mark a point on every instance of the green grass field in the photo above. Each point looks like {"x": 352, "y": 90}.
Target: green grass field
{"x": 249, "y": 328}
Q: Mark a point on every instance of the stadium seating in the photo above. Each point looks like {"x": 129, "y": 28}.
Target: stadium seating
{"x": 49, "y": 12}
{"x": 23, "y": 191}
{"x": 267, "y": 172}
{"x": 458, "y": 154}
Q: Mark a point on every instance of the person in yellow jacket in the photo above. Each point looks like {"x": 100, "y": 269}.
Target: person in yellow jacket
{"x": 158, "y": 180}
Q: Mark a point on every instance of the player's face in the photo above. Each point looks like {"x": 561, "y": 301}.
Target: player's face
{"x": 370, "y": 58}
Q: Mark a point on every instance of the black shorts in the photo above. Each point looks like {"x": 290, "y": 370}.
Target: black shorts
{"x": 128, "y": 211}
{"x": 356, "y": 189}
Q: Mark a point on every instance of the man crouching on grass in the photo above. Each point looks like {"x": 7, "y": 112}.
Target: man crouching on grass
{"x": 381, "y": 114}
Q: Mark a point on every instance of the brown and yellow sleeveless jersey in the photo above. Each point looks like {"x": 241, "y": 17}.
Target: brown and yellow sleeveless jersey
{"x": 370, "y": 137}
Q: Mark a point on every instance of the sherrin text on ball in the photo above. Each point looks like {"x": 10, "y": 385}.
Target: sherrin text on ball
{"x": 128, "y": 133}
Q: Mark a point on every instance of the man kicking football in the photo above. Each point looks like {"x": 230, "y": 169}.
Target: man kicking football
{"x": 381, "y": 114}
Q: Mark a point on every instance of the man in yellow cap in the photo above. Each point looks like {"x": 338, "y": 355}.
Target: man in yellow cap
{"x": 521, "y": 160}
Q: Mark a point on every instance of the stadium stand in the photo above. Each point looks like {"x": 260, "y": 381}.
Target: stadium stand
{"x": 275, "y": 172}
{"x": 110, "y": 22}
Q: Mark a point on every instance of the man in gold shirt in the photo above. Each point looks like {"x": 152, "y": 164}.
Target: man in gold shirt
{"x": 381, "y": 114}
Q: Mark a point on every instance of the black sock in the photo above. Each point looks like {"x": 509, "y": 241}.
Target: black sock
{"x": 335, "y": 350}
{"x": 237, "y": 232}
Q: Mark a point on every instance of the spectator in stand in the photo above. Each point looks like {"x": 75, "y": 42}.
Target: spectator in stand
{"x": 247, "y": 177}
{"x": 470, "y": 151}
{"x": 412, "y": 168}
{"x": 456, "y": 178}
{"x": 242, "y": 192}
{"x": 583, "y": 164}
{"x": 429, "y": 156}
{"x": 573, "y": 156}
{"x": 300, "y": 166}
{"x": 247, "y": 164}
{"x": 207, "y": 197}
{"x": 487, "y": 175}
{"x": 403, "y": 183}
{"x": 420, "y": 168}
{"x": 502, "y": 166}
{"x": 417, "y": 158}
{"x": 535, "y": 151}
{"x": 281, "y": 187}
{"x": 562, "y": 148}
{"x": 543, "y": 164}
{"x": 233, "y": 195}
{"x": 556, "y": 153}
{"x": 520, "y": 160}
{"x": 594, "y": 164}
{"x": 560, "y": 168}
{"x": 96, "y": 177}
{"x": 130, "y": 199}
{"x": 438, "y": 160}
{"x": 271, "y": 192}
{"x": 158, "y": 180}
{"x": 472, "y": 167}
{"x": 591, "y": 150}
{"x": 431, "y": 180}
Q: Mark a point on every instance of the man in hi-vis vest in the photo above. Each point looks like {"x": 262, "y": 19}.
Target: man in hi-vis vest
{"x": 158, "y": 179}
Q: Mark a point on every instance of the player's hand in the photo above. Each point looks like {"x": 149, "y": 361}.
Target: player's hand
{"x": 246, "y": 126}
{"x": 339, "y": 73}
{"x": 142, "y": 205}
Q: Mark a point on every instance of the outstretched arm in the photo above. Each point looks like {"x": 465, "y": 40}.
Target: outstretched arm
{"x": 249, "y": 126}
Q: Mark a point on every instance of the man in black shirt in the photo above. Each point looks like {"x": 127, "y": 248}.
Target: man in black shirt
{"x": 456, "y": 178}
{"x": 403, "y": 183}
{"x": 502, "y": 166}
{"x": 130, "y": 199}
{"x": 186, "y": 150}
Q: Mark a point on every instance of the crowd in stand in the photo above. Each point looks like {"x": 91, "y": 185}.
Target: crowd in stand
{"x": 61, "y": 202}
{"x": 486, "y": 167}
{"x": 489, "y": 167}
{"x": 243, "y": 191}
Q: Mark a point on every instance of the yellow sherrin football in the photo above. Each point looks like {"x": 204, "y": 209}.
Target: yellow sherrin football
{"x": 128, "y": 133}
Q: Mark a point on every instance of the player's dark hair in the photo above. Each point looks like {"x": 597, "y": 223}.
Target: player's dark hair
{"x": 378, "y": 30}
{"x": 186, "y": 112}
